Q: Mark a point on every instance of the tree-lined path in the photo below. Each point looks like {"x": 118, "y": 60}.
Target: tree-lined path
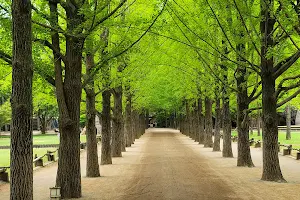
{"x": 165, "y": 164}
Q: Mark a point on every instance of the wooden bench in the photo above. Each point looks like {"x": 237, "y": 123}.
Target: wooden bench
{"x": 298, "y": 154}
{"x": 98, "y": 138}
{"x": 82, "y": 145}
{"x": 4, "y": 174}
{"x": 257, "y": 144}
{"x": 38, "y": 161}
{"x": 50, "y": 155}
{"x": 251, "y": 141}
{"x": 287, "y": 150}
{"x": 234, "y": 138}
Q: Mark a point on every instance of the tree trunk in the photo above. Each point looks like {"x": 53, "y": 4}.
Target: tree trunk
{"x": 244, "y": 154}
{"x": 188, "y": 119}
{"x": 134, "y": 129}
{"x": 92, "y": 165}
{"x": 216, "y": 146}
{"x": 271, "y": 167}
{"x": 128, "y": 124}
{"x": 201, "y": 122}
{"x": 106, "y": 129}
{"x": 117, "y": 123}
{"x": 43, "y": 124}
{"x": 68, "y": 92}
{"x": 106, "y": 116}
{"x": 197, "y": 123}
{"x": 227, "y": 148}
{"x": 258, "y": 124}
{"x": 68, "y": 173}
{"x": 288, "y": 122}
{"x": 123, "y": 135}
{"x": 147, "y": 119}
{"x": 21, "y": 186}
{"x": 208, "y": 123}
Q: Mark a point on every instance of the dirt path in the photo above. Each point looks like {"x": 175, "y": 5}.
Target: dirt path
{"x": 164, "y": 164}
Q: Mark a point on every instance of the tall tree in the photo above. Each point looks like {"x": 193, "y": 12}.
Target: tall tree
{"x": 92, "y": 166}
{"x": 21, "y": 103}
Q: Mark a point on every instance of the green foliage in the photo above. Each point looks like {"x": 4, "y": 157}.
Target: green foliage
{"x": 5, "y": 113}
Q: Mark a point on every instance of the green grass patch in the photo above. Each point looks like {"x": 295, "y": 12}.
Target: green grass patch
{"x": 39, "y": 139}
{"x": 295, "y": 141}
{"x": 5, "y": 158}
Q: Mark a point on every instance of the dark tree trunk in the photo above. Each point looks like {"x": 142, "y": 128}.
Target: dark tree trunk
{"x": 68, "y": 92}
{"x": 288, "y": 122}
{"x": 128, "y": 124}
{"x": 244, "y": 154}
{"x": 197, "y": 122}
{"x": 43, "y": 124}
{"x": 147, "y": 119}
{"x": 258, "y": 124}
{"x": 92, "y": 165}
{"x": 201, "y": 122}
{"x": 106, "y": 115}
{"x": 188, "y": 119}
{"x": 134, "y": 127}
{"x": 216, "y": 146}
{"x": 227, "y": 148}
{"x": 271, "y": 167}
{"x": 194, "y": 122}
{"x": 68, "y": 174}
{"x": 208, "y": 123}
{"x": 123, "y": 135}
{"x": 117, "y": 123}
{"x": 21, "y": 186}
{"x": 106, "y": 129}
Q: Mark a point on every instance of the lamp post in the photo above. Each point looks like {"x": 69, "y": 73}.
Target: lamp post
{"x": 55, "y": 193}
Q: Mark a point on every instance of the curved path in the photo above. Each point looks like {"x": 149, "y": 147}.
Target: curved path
{"x": 166, "y": 165}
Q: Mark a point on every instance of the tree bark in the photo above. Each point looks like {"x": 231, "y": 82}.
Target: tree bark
{"x": 117, "y": 123}
{"x": 258, "y": 124}
{"x": 147, "y": 119}
{"x": 106, "y": 129}
{"x": 216, "y": 146}
{"x": 244, "y": 154}
{"x": 288, "y": 122}
{"x": 92, "y": 166}
{"x": 271, "y": 167}
{"x": 188, "y": 119}
{"x": 208, "y": 123}
{"x": 227, "y": 148}
{"x": 128, "y": 124}
{"x": 201, "y": 122}
{"x": 68, "y": 92}
{"x": 21, "y": 186}
{"x": 197, "y": 122}
{"x": 43, "y": 124}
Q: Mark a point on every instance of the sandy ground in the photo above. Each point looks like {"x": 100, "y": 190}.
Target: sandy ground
{"x": 164, "y": 164}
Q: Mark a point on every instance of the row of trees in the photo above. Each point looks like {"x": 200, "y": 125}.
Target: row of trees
{"x": 243, "y": 54}
{"x": 162, "y": 55}
{"x": 67, "y": 35}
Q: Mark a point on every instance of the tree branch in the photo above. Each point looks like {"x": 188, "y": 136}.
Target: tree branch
{"x": 284, "y": 65}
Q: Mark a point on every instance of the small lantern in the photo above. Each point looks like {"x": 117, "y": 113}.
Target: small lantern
{"x": 55, "y": 193}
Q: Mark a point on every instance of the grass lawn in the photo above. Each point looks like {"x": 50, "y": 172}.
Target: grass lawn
{"x": 37, "y": 139}
{"x": 295, "y": 141}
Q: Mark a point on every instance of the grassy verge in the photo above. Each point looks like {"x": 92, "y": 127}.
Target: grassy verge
{"x": 39, "y": 139}
{"x": 295, "y": 141}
